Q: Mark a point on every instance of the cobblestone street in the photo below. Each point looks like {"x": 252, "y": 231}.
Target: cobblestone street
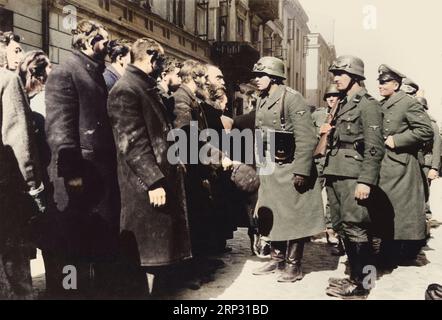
{"x": 235, "y": 281}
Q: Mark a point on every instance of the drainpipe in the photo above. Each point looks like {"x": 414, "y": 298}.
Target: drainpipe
{"x": 45, "y": 25}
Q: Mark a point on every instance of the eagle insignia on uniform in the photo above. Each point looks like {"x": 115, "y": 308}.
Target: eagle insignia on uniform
{"x": 301, "y": 113}
{"x": 375, "y": 127}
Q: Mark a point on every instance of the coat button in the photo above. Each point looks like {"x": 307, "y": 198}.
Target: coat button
{"x": 274, "y": 121}
{"x": 387, "y": 130}
{"x": 388, "y": 121}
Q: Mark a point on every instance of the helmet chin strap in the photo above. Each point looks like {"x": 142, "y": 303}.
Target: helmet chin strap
{"x": 350, "y": 85}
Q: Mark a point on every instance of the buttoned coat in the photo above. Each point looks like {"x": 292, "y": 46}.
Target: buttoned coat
{"x": 141, "y": 127}
{"x": 359, "y": 119}
{"x": 82, "y": 146}
{"x": 401, "y": 175}
{"x": 293, "y": 213}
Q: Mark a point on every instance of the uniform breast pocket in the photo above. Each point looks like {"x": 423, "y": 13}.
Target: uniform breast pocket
{"x": 350, "y": 124}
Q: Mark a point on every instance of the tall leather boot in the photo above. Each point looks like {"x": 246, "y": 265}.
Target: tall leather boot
{"x": 277, "y": 253}
{"x": 293, "y": 268}
{"x": 359, "y": 256}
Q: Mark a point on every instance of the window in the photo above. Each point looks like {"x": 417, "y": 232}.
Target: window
{"x": 176, "y": 12}
{"x": 6, "y": 20}
{"x": 223, "y": 29}
{"x": 148, "y": 24}
{"x": 298, "y": 39}
{"x": 202, "y": 16}
{"x": 240, "y": 29}
{"x": 255, "y": 35}
{"x": 303, "y": 86}
{"x": 166, "y": 33}
{"x": 297, "y": 81}
{"x": 105, "y": 4}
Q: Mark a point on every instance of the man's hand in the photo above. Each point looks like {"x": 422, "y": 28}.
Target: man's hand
{"x": 299, "y": 181}
{"x": 362, "y": 191}
{"x": 433, "y": 174}
{"x": 226, "y": 163}
{"x": 325, "y": 129}
{"x": 157, "y": 197}
{"x": 75, "y": 183}
{"x": 390, "y": 142}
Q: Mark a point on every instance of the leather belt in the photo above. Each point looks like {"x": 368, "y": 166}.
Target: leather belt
{"x": 346, "y": 145}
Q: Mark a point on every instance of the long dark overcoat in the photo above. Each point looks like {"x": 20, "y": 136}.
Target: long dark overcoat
{"x": 295, "y": 214}
{"x": 82, "y": 146}
{"x": 401, "y": 176}
{"x": 140, "y": 124}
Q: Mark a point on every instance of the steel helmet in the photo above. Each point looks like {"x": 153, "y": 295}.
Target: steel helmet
{"x": 349, "y": 64}
{"x": 271, "y": 66}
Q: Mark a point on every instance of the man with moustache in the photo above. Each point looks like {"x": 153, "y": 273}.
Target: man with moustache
{"x": 83, "y": 167}
{"x": 355, "y": 152}
{"x": 168, "y": 83}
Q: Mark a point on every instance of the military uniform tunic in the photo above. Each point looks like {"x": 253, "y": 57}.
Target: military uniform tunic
{"x": 293, "y": 214}
{"x": 354, "y": 156}
{"x": 401, "y": 176}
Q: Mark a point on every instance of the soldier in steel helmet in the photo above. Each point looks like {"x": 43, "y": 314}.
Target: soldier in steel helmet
{"x": 289, "y": 195}
{"x": 352, "y": 167}
{"x": 331, "y": 96}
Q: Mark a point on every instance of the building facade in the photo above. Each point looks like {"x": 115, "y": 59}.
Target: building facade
{"x": 46, "y": 24}
{"x": 233, "y": 34}
{"x": 319, "y": 58}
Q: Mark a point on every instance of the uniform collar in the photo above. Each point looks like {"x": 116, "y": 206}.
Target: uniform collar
{"x": 397, "y": 96}
{"x": 352, "y": 101}
{"x": 270, "y": 101}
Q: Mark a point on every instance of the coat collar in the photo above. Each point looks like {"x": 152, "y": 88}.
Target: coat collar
{"x": 140, "y": 75}
{"x": 114, "y": 71}
{"x": 352, "y": 101}
{"x": 148, "y": 84}
{"x": 269, "y": 101}
{"x": 187, "y": 90}
{"x": 92, "y": 66}
{"x": 397, "y": 96}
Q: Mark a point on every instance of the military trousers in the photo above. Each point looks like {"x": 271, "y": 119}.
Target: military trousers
{"x": 349, "y": 217}
{"x": 428, "y": 212}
